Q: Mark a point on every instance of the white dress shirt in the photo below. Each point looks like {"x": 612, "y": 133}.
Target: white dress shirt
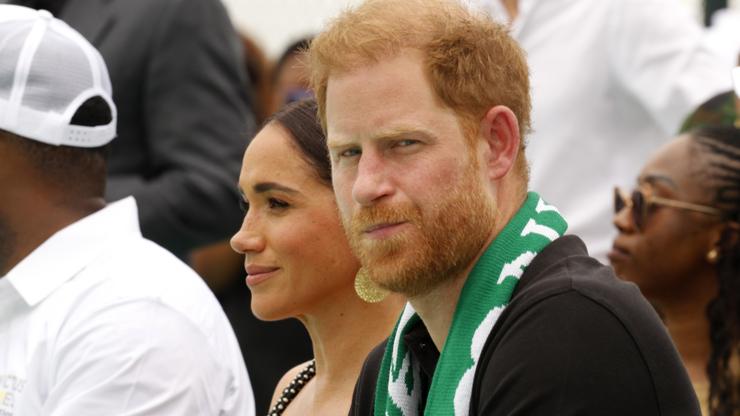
{"x": 100, "y": 321}
{"x": 724, "y": 35}
{"x": 611, "y": 80}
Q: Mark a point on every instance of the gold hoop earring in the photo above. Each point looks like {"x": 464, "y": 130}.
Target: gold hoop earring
{"x": 366, "y": 289}
{"x": 712, "y": 256}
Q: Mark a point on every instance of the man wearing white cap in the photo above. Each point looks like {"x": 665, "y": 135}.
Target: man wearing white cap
{"x": 94, "y": 319}
{"x": 184, "y": 114}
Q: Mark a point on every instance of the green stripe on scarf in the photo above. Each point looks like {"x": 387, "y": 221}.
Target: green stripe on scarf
{"x": 484, "y": 296}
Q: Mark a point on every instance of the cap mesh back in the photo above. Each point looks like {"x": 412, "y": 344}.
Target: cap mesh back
{"x": 11, "y": 41}
{"x": 56, "y": 58}
{"x": 47, "y": 71}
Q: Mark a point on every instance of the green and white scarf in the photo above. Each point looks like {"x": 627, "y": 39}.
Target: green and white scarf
{"x": 484, "y": 296}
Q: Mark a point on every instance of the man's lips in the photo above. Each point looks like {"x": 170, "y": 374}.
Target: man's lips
{"x": 383, "y": 230}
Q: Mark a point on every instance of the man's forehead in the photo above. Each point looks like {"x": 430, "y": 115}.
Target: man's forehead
{"x": 382, "y": 119}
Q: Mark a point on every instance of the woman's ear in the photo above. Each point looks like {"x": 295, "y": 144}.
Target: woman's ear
{"x": 500, "y": 131}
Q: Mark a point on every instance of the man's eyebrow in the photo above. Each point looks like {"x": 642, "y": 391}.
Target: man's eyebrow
{"x": 394, "y": 134}
{"x": 263, "y": 187}
{"x": 405, "y": 133}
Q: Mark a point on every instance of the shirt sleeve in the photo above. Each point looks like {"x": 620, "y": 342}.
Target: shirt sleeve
{"x": 660, "y": 55}
{"x": 568, "y": 355}
{"x": 136, "y": 358}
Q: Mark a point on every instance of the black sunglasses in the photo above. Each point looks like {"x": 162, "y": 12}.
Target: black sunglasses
{"x": 641, "y": 201}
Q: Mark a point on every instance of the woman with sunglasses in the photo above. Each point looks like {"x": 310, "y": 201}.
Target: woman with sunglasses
{"x": 679, "y": 241}
{"x": 299, "y": 263}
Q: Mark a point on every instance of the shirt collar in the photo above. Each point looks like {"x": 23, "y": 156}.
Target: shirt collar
{"x": 71, "y": 249}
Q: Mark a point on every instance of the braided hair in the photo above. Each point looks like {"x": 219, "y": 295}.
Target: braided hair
{"x": 720, "y": 148}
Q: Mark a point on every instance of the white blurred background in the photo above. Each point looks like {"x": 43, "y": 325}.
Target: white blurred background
{"x": 274, "y": 24}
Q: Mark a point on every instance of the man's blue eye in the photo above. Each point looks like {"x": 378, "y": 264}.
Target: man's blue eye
{"x": 406, "y": 142}
{"x": 350, "y": 152}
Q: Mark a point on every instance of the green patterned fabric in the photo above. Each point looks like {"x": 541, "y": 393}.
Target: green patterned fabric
{"x": 719, "y": 110}
{"x": 486, "y": 293}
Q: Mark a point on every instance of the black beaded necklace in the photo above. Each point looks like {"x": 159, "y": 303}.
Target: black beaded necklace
{"x": 295, "y": 387}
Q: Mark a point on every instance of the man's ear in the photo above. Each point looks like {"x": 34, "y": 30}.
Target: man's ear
{"x": 500, "y": 131}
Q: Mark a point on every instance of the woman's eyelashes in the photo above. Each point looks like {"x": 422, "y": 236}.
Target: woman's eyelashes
{"x": 277, "y": 204}
{"x": 272, "y": 203}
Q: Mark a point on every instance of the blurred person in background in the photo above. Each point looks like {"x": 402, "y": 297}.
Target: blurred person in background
{"x": 609, "y": 79}
{"x": 259, "y": 74}
{"x": 718, "y": 110}
{"x": 290, "y": 74}
{"x": 183, "y": 111}
{"x": 723, "y": 35}
{"x": 679, "y": 241}
{"x": 263, "y": 345}
{"x": 299, "y": 263}
{"x": 94, "y": 318}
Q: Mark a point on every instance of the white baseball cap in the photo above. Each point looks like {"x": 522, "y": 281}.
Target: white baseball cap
{"x": 47, "y": 71}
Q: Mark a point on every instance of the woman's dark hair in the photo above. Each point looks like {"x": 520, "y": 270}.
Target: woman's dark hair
{"x": 300, "y": 120}
{"x": 720, "y": 146}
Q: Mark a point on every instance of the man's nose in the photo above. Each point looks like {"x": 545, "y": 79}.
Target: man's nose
{"x": 373, "y": 180}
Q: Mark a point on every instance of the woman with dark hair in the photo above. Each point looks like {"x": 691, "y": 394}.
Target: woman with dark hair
{"x": 299, "y": 263}
{"x": 679, "y": 241}
{"x": 223, "y": 270}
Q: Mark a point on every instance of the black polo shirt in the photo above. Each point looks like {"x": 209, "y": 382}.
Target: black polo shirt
{"x": 574, "y": 340}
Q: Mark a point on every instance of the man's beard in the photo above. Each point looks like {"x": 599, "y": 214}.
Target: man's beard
{"x": 443, "y": 243}
{"x": 7, "y": 246}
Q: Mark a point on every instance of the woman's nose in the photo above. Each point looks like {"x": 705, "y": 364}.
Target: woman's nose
{"x": 247, "y": 240}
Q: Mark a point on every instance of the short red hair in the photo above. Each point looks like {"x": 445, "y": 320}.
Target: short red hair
{"x": 471, "y": 61}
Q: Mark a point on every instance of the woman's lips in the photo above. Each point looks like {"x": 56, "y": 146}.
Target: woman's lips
{"x": 258, "y": 274}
